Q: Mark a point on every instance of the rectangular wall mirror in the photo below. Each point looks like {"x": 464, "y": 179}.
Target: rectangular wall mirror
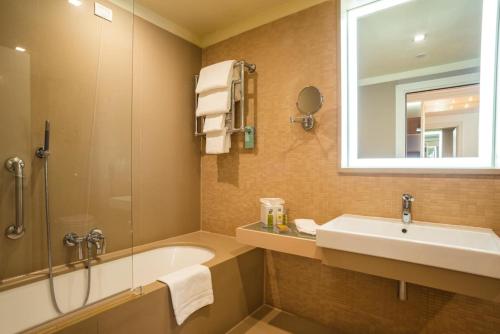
{"x": 419, "y": 84}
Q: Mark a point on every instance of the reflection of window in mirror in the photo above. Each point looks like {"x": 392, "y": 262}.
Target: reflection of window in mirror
{"x": 444, "y": 122}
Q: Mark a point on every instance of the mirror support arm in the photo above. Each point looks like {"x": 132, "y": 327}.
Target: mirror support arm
{"x": 307, "y": 121}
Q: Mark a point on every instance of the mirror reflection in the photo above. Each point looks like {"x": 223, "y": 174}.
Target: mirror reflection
{"x": 309, "y": 101}
{"x": 418, "y": 67}
{"x": 443, "y": 123}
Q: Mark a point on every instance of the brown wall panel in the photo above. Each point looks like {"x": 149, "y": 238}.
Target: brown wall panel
{"x": 166, "y": 158}
{"x": 119, "y": 96}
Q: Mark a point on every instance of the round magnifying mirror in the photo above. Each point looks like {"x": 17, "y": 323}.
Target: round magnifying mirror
{"x": 310, "y": 100}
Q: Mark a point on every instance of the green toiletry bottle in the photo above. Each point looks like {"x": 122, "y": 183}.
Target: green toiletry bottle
{"x": 249, "y": 137}
{"x": 270, "y": 218}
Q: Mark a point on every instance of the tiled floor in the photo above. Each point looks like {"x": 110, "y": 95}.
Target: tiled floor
{"x": 268, "y": 320}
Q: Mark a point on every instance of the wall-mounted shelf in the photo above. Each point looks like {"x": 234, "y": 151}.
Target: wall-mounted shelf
{"x": 291, "y": 242}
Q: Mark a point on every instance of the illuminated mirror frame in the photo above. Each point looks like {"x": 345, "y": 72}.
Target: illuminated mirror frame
{"x": 489, "y": 157}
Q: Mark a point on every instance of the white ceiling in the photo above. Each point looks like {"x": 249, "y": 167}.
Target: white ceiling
{"x": 205, "y": 22}
{"x": 385, "y": 38}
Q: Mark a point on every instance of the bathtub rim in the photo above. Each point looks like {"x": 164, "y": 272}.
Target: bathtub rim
{"x": 42, "y": 274}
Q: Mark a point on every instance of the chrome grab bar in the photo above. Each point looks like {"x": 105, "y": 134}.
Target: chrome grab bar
{"x": 16, "y": 166}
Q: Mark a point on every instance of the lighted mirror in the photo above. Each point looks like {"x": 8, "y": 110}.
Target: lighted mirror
{"x": 418, "y": 83}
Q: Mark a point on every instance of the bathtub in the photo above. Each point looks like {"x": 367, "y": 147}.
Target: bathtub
{"x": 29, "y": 305}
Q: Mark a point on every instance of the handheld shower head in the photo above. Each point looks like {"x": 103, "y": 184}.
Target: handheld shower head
{"x": 47, "y": 136}
{"x": 43, "y": 152}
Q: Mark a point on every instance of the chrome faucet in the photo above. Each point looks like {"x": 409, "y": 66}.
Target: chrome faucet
{"x": 94, "y": 238}
{"x": 73, "y": 240}
{"x": 406, "y": 212}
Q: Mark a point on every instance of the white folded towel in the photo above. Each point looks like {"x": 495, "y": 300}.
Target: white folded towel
{"x": 307, "y": 226}
{"x": 214, "y": 102}
{"x": 215, "y": 76}
{"x": 214, "y": 123}
{"x": 190, "y": 290}
{"x": 218, "y": 142}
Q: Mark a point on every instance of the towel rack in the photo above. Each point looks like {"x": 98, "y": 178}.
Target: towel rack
{"x": 241, "y": 65}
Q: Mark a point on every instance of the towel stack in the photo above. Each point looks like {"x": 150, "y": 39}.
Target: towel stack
{"x": 214, "y": 102}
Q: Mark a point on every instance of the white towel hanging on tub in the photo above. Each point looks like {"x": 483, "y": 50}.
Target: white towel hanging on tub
{"x": 190, "y": 289}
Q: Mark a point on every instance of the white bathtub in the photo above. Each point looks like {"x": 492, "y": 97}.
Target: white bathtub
{"x": 29, "y": 305}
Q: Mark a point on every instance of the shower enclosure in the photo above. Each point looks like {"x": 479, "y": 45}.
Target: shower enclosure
{"x": 65, "y": 87}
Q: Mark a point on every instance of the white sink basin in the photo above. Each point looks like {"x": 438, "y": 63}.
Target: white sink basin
{"x": 468, "y": 249}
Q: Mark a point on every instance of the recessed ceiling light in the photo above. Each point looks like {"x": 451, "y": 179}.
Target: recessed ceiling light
{"x": 470, "y": 99}
{"x": 20, "y": 49}
{"x": 421, "y": 55}
{"x": 466, "y": 105}
{"x": 419, "y": 38}
{"x": 75, "y": 3}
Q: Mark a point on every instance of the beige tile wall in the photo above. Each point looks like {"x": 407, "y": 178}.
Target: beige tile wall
{"x": 301, "y": 167}
{"x": 351, "y": 302}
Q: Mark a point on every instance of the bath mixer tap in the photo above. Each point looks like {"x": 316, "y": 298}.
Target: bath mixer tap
{"x": 73, "y": 240}
{"x": 96, "y": 237}
{"x": 406, "y": 216}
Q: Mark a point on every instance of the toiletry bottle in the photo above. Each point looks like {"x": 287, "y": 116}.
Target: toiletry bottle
{"x": 279, "y": 216}
{"x": 270, "y": 218}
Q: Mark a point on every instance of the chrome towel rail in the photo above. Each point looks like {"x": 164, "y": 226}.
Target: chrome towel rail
{"x": 241, "y": 66}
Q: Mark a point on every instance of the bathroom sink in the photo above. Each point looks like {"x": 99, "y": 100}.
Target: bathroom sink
{"x": 467, "y": 249}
